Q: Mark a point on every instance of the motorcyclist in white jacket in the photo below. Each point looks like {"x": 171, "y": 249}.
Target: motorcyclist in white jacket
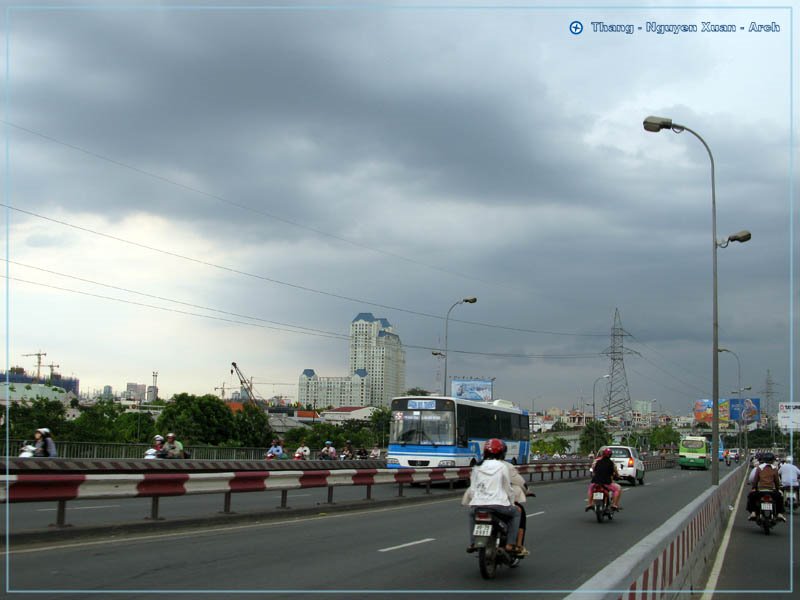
{"x": 490, "y": 487}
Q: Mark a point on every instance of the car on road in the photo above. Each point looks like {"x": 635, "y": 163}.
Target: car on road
{"x": 629, "y": 464}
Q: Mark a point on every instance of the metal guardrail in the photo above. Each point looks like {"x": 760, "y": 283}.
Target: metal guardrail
{"x": 62, "y": 480}
{"x": 105, "y": 450}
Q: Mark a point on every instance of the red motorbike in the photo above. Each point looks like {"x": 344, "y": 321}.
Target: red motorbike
{"x": 601, "y": 500}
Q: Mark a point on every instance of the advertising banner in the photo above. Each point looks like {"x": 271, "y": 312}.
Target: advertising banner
{"x": 789, "y": 416}
{"x": 472, "y": 389}
{"x": 736, "y": 410}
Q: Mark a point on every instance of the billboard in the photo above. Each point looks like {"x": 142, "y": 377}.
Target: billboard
{"x": 789, "y": 416}
{"x": 735, "y": 410}
{"x": 472, "y": 389}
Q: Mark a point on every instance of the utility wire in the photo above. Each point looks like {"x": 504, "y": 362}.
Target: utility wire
{"x": 224, "y": 312}
{"x": 287, "y": 284}
{"x": 664, "y": 385}
{"x": 245, "y": 207}
{"x": 638, "y": 341}
{"x": 687, "y": 384}
{"x": 175, "y": 310}
{"x": 317, "y": 333}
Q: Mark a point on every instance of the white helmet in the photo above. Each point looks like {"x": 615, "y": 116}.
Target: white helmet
{"x": 159, "y": 438}
{"x": 789, "y": 459}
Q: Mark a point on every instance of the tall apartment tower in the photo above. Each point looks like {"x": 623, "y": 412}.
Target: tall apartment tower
{"x": 376, "y": 349}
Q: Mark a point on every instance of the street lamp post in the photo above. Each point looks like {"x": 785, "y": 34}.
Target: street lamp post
{"x": 656, "y": 124}
{"x": 594, "y": 421}
{"x": 738, "y": 379}
{"x": 471, "y": 300}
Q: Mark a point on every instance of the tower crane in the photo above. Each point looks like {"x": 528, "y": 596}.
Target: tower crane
{"x": 38, "y": 356}
{"x": 245, "y": 383}
{"x": 222, "y": 388}
{"x": 52, "y": 368}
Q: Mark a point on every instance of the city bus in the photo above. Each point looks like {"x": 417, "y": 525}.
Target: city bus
{"x": 694, "y": 452}
{"x": 439, "y": 431}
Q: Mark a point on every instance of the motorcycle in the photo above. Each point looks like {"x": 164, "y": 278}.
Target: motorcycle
{"x": 601, "y": 500}
{"x": 727, "y": 461}
{"x": 26, "y": 451}
{"x": 765, "y": 517}
{"x": 790, "y": 498}
{"x": 491, "y": 535}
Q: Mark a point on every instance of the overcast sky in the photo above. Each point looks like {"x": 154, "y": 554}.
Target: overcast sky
{"x": 193, "y": 187}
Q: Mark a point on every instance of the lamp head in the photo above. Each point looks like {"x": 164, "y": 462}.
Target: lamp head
{"x": 470, "y": 300}
{"x": 656, "y": 124}
{"x": 741, "y": 237}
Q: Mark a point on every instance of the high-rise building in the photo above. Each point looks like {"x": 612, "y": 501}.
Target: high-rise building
{"x": 321, "y": 392}
{"x": 376, "y": 348}
{"x": 377, "y": 369}
{"x": 136, "y": 391}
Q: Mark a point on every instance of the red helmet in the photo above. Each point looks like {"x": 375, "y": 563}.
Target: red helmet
{"x": 494, "y": 447}
{"x": 607, "y": 452}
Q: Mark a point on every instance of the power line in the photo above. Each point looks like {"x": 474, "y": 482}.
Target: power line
{"x": 689, "y": 385}
{"x": 245, "y": 207}
{"x": 285, "y": 283}
{"x": 308, "y": 331}
{"x": 176, "y": 310}
{"x": 682, "y": 367}
{"x": 664, "y": 385}
{"x": 122, "y": 289}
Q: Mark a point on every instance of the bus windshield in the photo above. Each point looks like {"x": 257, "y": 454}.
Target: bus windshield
{"x": 425, "y": 427}
{"x": 693, "y": 444}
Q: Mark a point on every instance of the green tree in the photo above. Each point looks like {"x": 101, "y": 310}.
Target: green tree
{"x": 560, "y": 426}
{"x": 559, "y": 445}
{"x": 593, "y": 436}
{"x": 252, "y": 427}
{"x": 379, "y": 423}
{"x": 417, "y": 391}
{"x": 26, "y": 417}
{"x": 663, "y": 436}
{"x": 97, "y": 422}
{"x": 198, "y": 420}
{"x": 135, "y": 427}
{"x": 702, "y": 425}
{"x": 316, "y": 436}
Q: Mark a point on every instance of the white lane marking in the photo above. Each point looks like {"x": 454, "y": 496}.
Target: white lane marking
{"x": 406, "y": 545}
{"x": 711, "y": 585}
{"x": 80, "y": 507}
{"x": 541, "y": 512}
{"x": 221, "y": 530}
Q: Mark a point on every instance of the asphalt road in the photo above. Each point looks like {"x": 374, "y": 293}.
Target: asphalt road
{"x": 756, "y": 565}
{"x": 415, "y": 550}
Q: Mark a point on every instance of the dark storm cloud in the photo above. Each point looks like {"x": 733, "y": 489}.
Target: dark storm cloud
{"x": 370, "y": 126}
{"x": 223, "y": 100}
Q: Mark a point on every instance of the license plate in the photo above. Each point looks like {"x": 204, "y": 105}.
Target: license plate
{"x": 766, "y": 506}
{"x": 482, "y": 529}
{"x": 597, "y": 496}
